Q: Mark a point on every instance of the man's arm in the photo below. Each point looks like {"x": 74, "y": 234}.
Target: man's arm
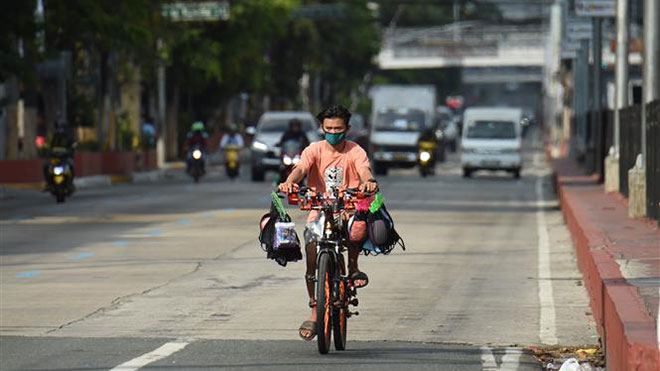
{"x": 363, "y": 167}
{"x": 291, "y": 183}
{"x": 369, "y": 184}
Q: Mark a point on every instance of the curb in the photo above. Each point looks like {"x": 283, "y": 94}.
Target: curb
{"x": 627, "y": 331}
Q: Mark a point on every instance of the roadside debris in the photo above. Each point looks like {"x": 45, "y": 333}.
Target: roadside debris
{"x": 569, "y": 358}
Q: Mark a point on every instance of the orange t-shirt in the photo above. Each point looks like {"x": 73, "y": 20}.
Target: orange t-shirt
{"x": 326, "y": 167}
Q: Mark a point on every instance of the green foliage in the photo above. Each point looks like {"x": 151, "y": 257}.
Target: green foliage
{"x": 125, "y": 135}
{"x": 346, "y": 48}
{"x": 261, "y": 49}
{"x": 117, "y": 26}
{"x": 17, "y": 25}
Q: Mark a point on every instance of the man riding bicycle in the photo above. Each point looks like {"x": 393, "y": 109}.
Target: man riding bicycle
{"x": 331, "y": 163}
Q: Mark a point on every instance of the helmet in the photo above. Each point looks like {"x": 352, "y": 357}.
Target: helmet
{"x": 295, "y": 123}
{"x": 197, "y": 126}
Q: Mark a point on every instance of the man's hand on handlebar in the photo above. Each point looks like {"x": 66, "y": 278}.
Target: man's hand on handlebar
{"x": 370, "y": 186}
{"x": 289, "y": 187}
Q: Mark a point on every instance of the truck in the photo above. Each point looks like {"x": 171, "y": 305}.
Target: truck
{"x": 400, "y": 113}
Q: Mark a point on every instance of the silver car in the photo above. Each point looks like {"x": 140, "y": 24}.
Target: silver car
{"x": 265, "y": 156}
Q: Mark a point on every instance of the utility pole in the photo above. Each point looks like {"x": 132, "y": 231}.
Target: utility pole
{"x": 651, "y": 70}
{"x": 597, "y": 124}
{"x": 620, "y": 94}
{"x": 162, "y": 130}
{"x": 622, "y": 35}
{"x": 456, "y": 19}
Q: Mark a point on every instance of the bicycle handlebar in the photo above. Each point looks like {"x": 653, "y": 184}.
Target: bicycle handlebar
{"x": 309, "y": 199}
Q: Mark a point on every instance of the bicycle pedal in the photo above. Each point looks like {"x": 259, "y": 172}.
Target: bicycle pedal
{"x": 354, "y": 302}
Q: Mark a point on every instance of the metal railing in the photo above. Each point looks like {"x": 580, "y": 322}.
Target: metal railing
{"x": 653, "y": 160}
{"x": 604, "y": 139}
{"x": 629, "y": 143}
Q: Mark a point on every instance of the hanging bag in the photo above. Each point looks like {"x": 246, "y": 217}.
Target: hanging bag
{"x": 277, "y": 234}
{"x": 383, "y": 237}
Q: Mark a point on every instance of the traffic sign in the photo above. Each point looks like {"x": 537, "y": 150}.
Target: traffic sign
{"x": 196, "y": 11}
{"x": 595, "y": 8}
{"x": 578, "y": 28}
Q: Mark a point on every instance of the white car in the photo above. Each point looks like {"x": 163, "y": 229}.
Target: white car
{"x": 265, "y": 156}
{"x": 491, "y": 140}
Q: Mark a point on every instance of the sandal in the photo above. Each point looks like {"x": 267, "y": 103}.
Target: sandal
{"x": 359, "y": 276}
{"x": 309, "y": 326}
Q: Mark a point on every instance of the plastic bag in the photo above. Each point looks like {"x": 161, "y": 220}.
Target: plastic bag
{"x": 285, "y": 236}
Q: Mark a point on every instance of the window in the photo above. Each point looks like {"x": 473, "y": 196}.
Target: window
{"x": 412, "y": 120}
{"x": 492, "y": 130}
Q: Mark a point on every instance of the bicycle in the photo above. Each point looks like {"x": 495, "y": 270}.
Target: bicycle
{"x": 334, "y": 290}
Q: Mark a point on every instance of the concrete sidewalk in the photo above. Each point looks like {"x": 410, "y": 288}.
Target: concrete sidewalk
{"x": 620, "y": 262}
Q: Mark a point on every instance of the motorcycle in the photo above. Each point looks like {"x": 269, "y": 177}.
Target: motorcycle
{"x": 290, "y": 156}
{"x": 60, "y": 178}
{"x": 196, "y": 161}
{"x": 232, "y": 161}
{"x": 426, "y": 158}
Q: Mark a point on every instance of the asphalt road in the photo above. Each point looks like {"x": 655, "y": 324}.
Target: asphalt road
{"x": 170, "y": 276}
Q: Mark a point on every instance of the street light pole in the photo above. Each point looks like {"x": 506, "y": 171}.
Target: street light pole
{"x": 162, "y": 126}
{"x": 622, "y": 30}
{"x": 597, "y": 125}
{"x": 651, "y": 70}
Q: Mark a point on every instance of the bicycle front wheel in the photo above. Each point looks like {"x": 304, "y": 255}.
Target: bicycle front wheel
{"x": 340, "y": 313}
{"x": 324, "y": 302}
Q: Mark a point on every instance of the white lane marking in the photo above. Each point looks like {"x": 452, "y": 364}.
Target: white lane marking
{"x": 547, "y": 331}
{"x": 510, "y": 359}
{"x": 164, "y": 351}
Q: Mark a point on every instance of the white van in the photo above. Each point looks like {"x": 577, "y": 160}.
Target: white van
{"x": 491, "y": 140}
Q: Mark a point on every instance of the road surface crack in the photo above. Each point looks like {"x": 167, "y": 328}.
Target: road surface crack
{"x": 115, "y": 303}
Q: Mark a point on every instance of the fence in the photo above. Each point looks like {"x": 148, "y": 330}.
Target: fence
{"x": 653, "y": 160}
{"x": 604, "y": 139}
{"x": 629, "y": 143}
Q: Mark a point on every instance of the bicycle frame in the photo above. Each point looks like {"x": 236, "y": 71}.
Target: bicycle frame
{"x": 337, "y": 291}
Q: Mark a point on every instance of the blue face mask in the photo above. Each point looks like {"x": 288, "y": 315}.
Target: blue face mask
{"x": 335, "y": 138}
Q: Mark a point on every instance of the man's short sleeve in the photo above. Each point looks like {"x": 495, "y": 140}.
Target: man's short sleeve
{"x": 360, "y": 158}
{"x": 307, "y": 159}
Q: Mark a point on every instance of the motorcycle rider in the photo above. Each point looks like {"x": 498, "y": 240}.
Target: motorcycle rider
{"x": 232, "y": 138}
{"x": 428, "y": 138}
{"x": 331, "y": 163}
{"x": 61, "y": 145}
{"x": 296, "y": 133}
{"x": 197, "y": 136}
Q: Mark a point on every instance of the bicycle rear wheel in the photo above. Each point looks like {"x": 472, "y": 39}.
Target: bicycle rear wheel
{"x": 339, "y": 314}
{"x": 324, "y": 302}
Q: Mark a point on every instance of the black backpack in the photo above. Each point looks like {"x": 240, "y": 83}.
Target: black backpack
{"x": 383, "y": 238}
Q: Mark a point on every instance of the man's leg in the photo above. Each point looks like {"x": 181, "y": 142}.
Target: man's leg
{"x": 310, "y": 275}
{"x": 353, "y": 254}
